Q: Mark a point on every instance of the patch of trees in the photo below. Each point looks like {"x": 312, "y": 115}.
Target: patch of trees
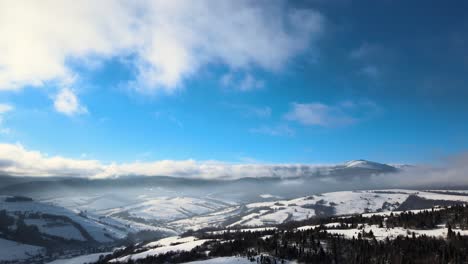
{"x": 456, "y": 216}
{"x": 314, "y": 246}
{"x": 15, "y": 227}
{"x": 5, "y": 221}
{"x": 168, "y": 257}
{"x": 14, "y": 199}
{"x": 414, "y": 202}
{"x": 318, "y": 246}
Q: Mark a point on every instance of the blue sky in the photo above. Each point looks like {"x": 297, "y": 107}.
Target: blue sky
{"x": 314, "y": 82}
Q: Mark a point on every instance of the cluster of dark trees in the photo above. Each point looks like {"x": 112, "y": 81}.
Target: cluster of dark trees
{"x": 456, "y": 216}
{"x": 318, "y": 246}
{"x": 22, "y": 232}
{"x": 14, "y": 227}
{"x": 314, "y": 246}
{"x": 14, "y": 199}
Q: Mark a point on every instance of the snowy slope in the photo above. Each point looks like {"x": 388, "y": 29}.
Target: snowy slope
{"x": 230, "y": 260}
{"x": 215, "y": 219}
{"x": 80, "y": 259}
{"x": 168, "y": 208}
{"x": 222, "y": 260}
{"x": 10, "y": 250}
{"x": 57, "y": 228}
{"x": 382, "y": 233}
{"x": 333, "y": 203}
{"x": 61, "y": 222}
{"x": 365, "y": 164}
{"x": 163, "y": 246}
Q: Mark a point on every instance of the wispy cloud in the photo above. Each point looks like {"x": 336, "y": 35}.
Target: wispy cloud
{"x": 370, "y": 71}
{"x": 365, "y": 51}
{"x": 319, "y": 114}
{"x": 275, "y": 130}
{"x": 250, "y": 110}
{"x": 342, "y": 114}
{"x": 241, "y": 83}
{"x": 369, "y": 57}
{"x": 170, "y": 117}
{"x": 66, "y": 102}
{"x": 169, "y": 41}
{"x": 450, "y": 172}
{"x": 5, "y": 108}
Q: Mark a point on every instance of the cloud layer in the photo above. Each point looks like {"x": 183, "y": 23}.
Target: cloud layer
{"x": 18, "y": 161}
{"x": 15, "y": 160}
{"x": 166, "y": 41}
{"x": 342, "y": 114}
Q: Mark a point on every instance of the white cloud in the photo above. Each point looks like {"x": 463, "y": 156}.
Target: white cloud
{"x": 16, "y": 160}
{"x": 5, "y": 131}
{"x": 370, "y": 71}
{"x": 371, "y": 57}
{"x": 363, "y": 51}
{"x": 251, "y": 110}
{"x": 244, "y": 83}
{"x": 67, "y": 103}
{"x": 450, "y": 172}
{"x": 319, "y": 114}
{"x": 5, "y": 108}
{"x": 37, "y": 38}
{"x": 169, "y": 117}
{"x": 167, "y": 41}
{"x": 278, "y": 130}
{"x": 250, "y": 83}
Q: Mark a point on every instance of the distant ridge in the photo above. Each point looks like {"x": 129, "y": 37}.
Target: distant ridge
{"x": 365, "y": 164}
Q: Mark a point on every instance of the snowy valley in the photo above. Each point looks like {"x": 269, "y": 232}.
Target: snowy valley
{"x": 80, "y": 220}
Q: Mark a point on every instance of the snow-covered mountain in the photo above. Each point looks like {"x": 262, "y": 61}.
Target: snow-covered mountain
{"x": 434, "y": 226}
{"x": 81, "y": 213}
{"x": 30, "y": 229}
{"x": 326, "y": 204}
{"x": 85, "y": 218}
{"x": 356, "y": 169}
{"x": 100, "y": 220}
{"x": 365, "y": 164}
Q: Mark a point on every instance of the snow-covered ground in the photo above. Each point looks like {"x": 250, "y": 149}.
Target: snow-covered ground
{"x": 258, "y": 229}
{"x": 387, "y": 213}
{"x": 381, "y": 233}
{"x": 215, "y": 219}
{"x": 169, "y": 208}
{"x": 165, "y": 245}
{"x": 307, "y": 227}
{"x": 277, "y": 212}
{"x": 333, "y": 203}
{"x": 109, "y": 217}
{"x": 101, "y": 228}
{"x": 170, "y": 241}
{"x": 119, "y": 216}
{"x": 80, "y": 259}
{"x": 229, "y": 260}
{"x": 56, "y": 228}
{"x": 10, "y": 250}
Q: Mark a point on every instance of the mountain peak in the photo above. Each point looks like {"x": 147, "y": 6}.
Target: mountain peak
{"x": 358, "y": 163}
{"x": 365, "y": 164}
